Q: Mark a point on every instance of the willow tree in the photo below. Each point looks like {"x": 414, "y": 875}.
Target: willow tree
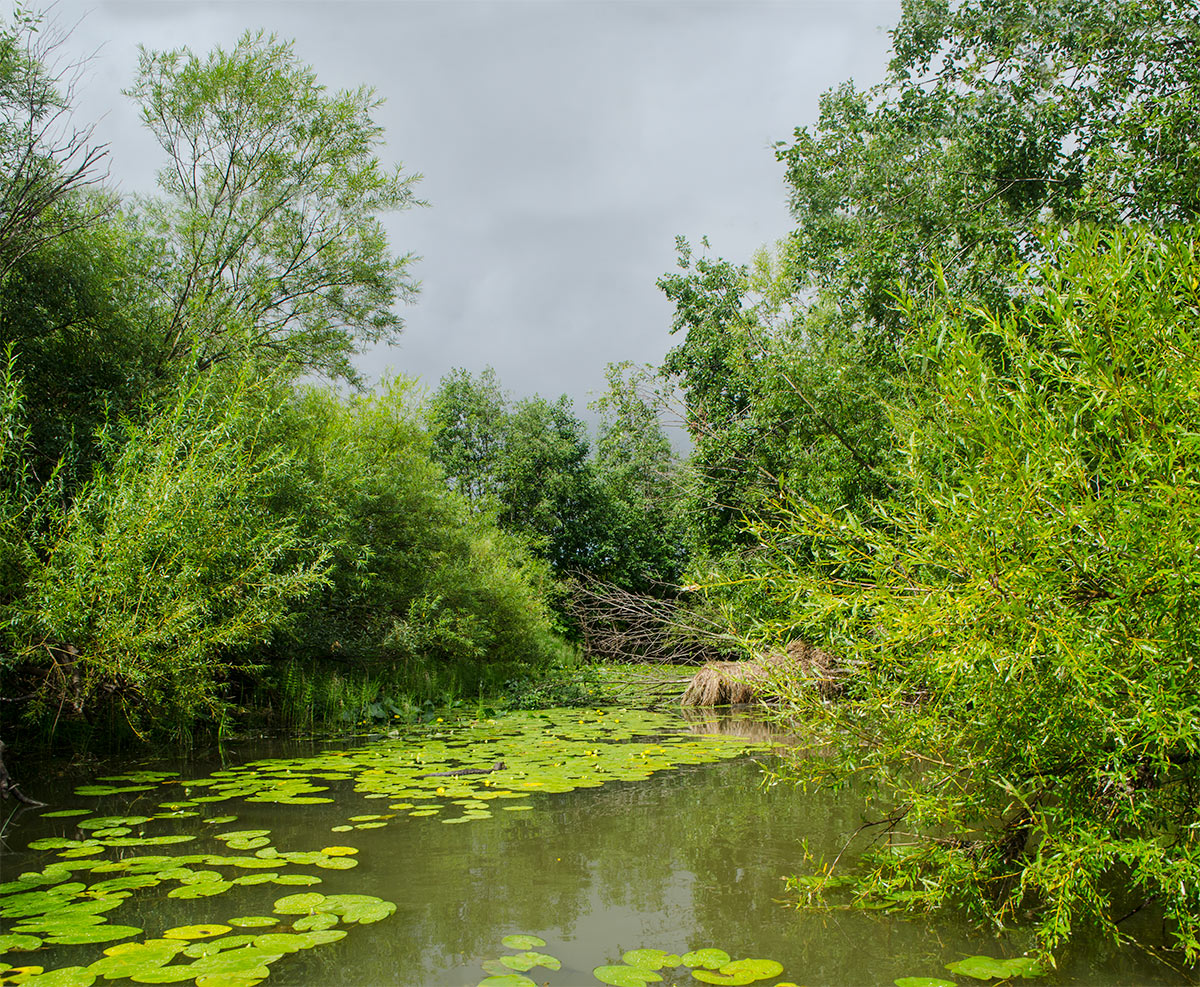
{"x": 1019, "y": 621}
{"x": 270, "y": 214}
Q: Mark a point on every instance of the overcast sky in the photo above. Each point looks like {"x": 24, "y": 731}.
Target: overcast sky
{"x": 564, "y": 144}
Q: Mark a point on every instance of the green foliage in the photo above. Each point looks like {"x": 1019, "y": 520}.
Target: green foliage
{"x": 78, "y": 312}
{"x": 771, "y": 399}
{"x": 414, "y": 577}
{"x": 995, "y": 117}
{"x": 524, "y": 462}
{"x": 43, "y": 161}
{"x": 642, "y": 540}
{"x": 1019, "y": 621}
{"x": 270, "y": 216}
{"x": 22, "y": 502}
{"x": 168, "y": 566}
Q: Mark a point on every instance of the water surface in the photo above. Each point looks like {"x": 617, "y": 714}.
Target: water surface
{"x": 689, "y": 855}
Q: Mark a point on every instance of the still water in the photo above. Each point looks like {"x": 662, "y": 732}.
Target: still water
{"x": 594, "y": 838}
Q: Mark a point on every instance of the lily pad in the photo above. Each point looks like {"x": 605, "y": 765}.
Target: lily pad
{"x": 728, "y": 979}
{"x": 202, "y": 889}
{"x": 315, "y": 922}
{"x": 18, "y": 944}
{"x": 507, "y": 980}
{"x": 923, "y": 982}
{"x": 987, "y": 967}
{"x": 619, "y": 975}
{"x": 646, "y": 959}
{"x": 206, "y": 931}
{"x": 710, "y": 959}
{"x": 758, "y": 969}
{"x": 67, "y": 976}
{"x": 361, "y": 908}
{"x": 526, "y": 961}
{"x": 522, "y": 941}
{"x": 298, "y": 904}
{"x": 252, "y": 921}
{"x": 98, "y": 933}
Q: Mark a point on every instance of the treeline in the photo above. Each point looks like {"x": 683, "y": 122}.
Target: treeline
{"x": 191, "y": 528}
{"x": 947, "y": 429}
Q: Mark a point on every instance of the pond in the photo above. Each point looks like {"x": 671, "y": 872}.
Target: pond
{"x": 578, "y": 837}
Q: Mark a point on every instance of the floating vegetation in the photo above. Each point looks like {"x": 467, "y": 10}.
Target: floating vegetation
{"x": 639, "y": 967}
{"x": 97, "y": 861}
{"x": 987, "y": 967}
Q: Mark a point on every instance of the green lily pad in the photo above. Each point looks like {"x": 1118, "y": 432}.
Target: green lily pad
{"x": 360, "y": 908}
{"x": 728, "y": 979}
{"x": 522, "y": 941}
{"x": 298, "y": 904}
{"x": 619, "y": 975}
{"x": 99, "y": 933}
{"x": 252, "y": 879}
{"x": 108, "y": 822}
{"x": 526, "y": 961}
{"x": 923, "y": 982}
{"x": 66, "y": 813}
{"x": 227, "y": 980}
{"x": 710, "y": 959}
{"x": 297, "y": 880}
{"x": 647, "y": 959}
{"x": 252, "y": 921}
{"x": 987, "y": 967}
{"x": 758, "y": 969}
{"x": 201, "y": 889}
{"x": 136, "y": 958}
{"x": 18, "y": 944}
{"x": 315, "y": 922}
{"x": 205, "y": 931}
{"x": 67, "y": 976}
{"x": 507, "y": 980}
{"x": 210, "y": 947}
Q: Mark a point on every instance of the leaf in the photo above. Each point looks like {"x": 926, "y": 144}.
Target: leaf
{"x": 522, "y": 941}
{"x": 619, "y": 975}
{"x": 711, "y": 959}
{"x": 987, "y": 967}
{"x": 196, "y": 931}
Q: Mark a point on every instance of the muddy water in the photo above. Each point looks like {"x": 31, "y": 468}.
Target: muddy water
{"x": 691, "y": 856}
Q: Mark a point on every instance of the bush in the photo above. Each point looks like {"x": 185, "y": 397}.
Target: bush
{"x": 1022, "y": 622}
{"x": 168, "y": 566}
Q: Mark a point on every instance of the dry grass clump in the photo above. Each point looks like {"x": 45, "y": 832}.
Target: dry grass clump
{"x": 731, "y": 683}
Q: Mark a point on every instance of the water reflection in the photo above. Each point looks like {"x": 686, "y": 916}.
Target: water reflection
{"x": 687, "y": 858}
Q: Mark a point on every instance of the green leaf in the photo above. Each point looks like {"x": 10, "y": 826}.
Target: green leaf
{"x": 619, "y": 975}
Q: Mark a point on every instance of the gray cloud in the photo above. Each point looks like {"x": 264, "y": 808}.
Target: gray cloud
{"x": 564, "y": 145}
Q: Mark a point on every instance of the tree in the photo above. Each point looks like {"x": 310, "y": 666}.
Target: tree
{"x": 44, "y": 159}
{"x": 466, "y": 421}
{"x": 770, "y": 399}
{"x": 643, "y": 544}
{"x": 996, "y": 118}
{"x": 1018, "y": 623}
{"x": 79, "y": 312}
{"x": 525, "y": 462}
{"x": 270, "y": 217}
{"x": 416, "y": 581}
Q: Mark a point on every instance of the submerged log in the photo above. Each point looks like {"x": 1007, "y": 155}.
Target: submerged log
{"x": 733, "y": 683}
